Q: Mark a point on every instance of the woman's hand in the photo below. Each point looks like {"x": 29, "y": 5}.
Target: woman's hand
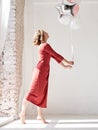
{"x": 71, "y": 62}
{"x": 68, "y": 66}
{"x": 66, "y": 62}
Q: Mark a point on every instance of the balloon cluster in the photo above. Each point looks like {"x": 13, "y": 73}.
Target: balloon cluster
{"x": 68, "y": 13}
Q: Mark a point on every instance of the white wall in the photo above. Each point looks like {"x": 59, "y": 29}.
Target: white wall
{"x": 70, "y": 92}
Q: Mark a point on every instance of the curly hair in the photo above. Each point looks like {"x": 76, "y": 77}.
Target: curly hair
{"x": 38, "y": 37}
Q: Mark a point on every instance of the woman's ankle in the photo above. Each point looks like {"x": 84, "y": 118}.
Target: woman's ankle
{"x": 22, "y": 118}
{"x": 41, "y": 118}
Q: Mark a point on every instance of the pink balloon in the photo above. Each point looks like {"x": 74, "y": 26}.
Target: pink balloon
{"x": 74, "y": 1}
{"x": 71, "y": 1}
{"x": 75, "y": 10}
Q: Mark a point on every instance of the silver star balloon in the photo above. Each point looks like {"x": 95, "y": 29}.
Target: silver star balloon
{"x": 68, "y": 14}
{"x": 65, "y": 9}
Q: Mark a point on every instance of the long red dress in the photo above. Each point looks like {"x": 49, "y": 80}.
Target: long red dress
{"x": 38, "y": 91}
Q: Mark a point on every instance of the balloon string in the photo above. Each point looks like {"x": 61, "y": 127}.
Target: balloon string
{"x": 62, "y": 1}
{"x": 72, "y": 47}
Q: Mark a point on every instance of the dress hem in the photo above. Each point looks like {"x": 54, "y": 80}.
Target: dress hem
{"x": 35, "y": 103}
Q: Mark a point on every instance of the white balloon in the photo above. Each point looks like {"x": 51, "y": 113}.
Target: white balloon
{"x": 65, "y": 19}
{"x": 74, "y": 24}
{"x": 77, "y": 1}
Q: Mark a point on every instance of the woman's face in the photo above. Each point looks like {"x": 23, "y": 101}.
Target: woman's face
{"x": 46, "y": 36}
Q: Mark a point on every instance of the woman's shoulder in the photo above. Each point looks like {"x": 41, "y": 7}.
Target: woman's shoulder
{"x": 45, "y": 44}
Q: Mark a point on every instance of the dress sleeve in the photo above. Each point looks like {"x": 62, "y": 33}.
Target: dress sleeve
{"x": 53, "y": 53}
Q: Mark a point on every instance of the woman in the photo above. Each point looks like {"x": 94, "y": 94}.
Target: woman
{"x": 37, "y": 93}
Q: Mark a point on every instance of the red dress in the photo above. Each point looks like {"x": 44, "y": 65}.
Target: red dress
{"x": 37, "y": 93}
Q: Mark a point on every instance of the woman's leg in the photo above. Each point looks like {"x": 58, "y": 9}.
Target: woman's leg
{"x": 40, "y": 115}
{"x": 23, "y": 111}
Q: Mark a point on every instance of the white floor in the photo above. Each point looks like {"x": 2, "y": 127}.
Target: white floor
{"x": 59, "y": 122}
{"x": 5, "y": 120}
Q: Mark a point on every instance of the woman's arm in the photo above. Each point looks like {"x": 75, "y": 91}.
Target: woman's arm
{"x": 65, "y": 61}
{"x": 53, "y": 53}
{"x": 65, "y": 66}
{"x": 58, "y": 57}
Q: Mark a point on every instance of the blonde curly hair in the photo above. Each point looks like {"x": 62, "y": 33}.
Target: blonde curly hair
{"x": 38, "y": 37}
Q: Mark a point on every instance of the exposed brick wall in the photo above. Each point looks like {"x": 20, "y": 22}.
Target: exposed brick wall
{"x": 12, "y": 67}
{"x": 0, "y": 82}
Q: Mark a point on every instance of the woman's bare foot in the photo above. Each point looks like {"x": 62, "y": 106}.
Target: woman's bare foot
{"x": 22, "y": 118}
{"x": 42, "y": 119}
